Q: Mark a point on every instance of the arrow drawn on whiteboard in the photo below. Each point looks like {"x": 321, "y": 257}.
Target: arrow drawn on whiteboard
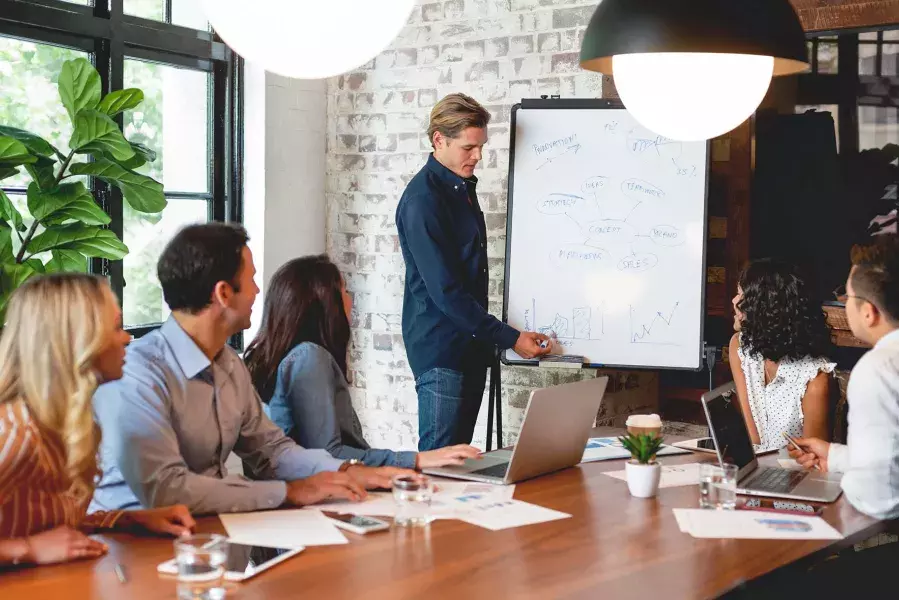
{"x": 637, "y": 337}
{"x": 571, "y": 149}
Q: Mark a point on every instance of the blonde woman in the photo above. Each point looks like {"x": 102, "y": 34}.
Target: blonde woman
{"x": 63, "y": 337}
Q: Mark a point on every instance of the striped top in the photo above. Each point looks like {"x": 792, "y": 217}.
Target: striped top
{"x": 34, "y": 488}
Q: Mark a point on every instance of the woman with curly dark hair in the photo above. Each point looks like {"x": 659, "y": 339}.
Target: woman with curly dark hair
{"x": 778, "y": 356}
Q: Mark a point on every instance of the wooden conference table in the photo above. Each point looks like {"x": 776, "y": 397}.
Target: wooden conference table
{"x": 614, "y": 546}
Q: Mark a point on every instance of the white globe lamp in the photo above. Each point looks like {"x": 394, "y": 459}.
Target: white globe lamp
{"x": 308, "y": 39}
{"x": 693, "y": 69}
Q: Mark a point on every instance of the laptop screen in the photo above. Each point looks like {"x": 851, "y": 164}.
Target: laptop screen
{"x": 730, "y": 433}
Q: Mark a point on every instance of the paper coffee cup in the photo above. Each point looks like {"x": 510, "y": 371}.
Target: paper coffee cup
{"x": 644, "y": 425}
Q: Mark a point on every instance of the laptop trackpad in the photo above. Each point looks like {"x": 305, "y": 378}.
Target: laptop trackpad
{"x": 475, "y": 464}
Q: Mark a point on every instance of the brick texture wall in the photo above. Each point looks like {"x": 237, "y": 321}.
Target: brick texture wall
{"x": 497, "y": 51}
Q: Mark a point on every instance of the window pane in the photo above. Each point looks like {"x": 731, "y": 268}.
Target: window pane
{"x": 189, "y": 13}
{"x": 29, "y": 99}
{"x": 890, "y": 61}
{"x": 867, "y": 59}
{"x": 148, "y": 9}
{"x": 827, "y": 57}
{"x": 891, "y": 34}
{"x": 877, "y": 126}
{"x": 174, "y": 121}
{"x": 146, "y": 236}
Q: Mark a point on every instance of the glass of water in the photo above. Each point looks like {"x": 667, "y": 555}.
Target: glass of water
{"x": 412, "y": 494}
{"x": 201, "y": 562}
{"x": 718, "y": 486}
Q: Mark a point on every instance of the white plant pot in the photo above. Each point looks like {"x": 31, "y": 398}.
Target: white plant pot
{"x": 643, "y": 480}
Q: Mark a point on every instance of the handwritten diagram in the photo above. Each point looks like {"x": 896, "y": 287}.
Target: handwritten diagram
{"x": 555, "y": 149}
{"x": 603, "y": 216}
{"x": 656, "y": 331}
{"x": 605, "y": 244}
{"x": 579, "y": 323}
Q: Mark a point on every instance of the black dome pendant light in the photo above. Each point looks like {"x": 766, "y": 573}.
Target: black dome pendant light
{"x": 693, "y": 69}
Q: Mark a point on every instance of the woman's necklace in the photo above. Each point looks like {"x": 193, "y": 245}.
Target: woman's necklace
{"x": 769, "y": 376}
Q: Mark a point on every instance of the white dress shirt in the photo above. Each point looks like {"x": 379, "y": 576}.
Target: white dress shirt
{"x": 870, "y": 460}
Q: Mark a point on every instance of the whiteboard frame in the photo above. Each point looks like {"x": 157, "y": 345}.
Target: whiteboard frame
{"x": 593, "y": 104}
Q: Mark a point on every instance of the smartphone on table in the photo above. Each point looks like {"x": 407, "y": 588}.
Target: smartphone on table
{"x": 356, "y": 523}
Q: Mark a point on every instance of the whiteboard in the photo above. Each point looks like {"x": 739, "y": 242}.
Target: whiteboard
{"x": 606, "y": 232}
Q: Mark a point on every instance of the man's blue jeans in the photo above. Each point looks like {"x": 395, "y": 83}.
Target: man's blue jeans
{"x": 448, "y": 405}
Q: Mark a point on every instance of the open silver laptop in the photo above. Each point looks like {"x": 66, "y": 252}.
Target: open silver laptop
{"x": 556, "y": 427}
{"x": 733, "y": 445}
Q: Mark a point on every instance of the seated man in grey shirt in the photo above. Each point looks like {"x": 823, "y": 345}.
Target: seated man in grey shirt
{"x": 186, "y": 401}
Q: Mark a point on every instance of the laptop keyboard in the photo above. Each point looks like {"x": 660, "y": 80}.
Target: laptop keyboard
{"x": 494, "y": 471}
{"x": 775, "y": 480}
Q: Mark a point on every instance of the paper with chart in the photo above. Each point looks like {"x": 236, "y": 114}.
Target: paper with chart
{"x": 751, "y": 524}
{"x": 609, "y": 448}
{"x": 607, "y": 229}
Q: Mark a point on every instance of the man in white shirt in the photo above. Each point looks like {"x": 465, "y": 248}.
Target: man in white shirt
{"x": 870, "y": 460}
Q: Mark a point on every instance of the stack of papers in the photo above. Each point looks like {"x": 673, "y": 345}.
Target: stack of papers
{"x": 752, "y": 524}
{"x": 609, "y": 448}
{"x": 672, "y": 476}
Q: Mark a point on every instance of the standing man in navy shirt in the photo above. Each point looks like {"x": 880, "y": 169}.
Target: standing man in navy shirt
{"x": 449, "y": 335}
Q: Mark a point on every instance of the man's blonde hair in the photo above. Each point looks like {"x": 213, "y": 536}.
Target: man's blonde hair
{"x": 455, "y": 113}
{"x": 56, "y": 326}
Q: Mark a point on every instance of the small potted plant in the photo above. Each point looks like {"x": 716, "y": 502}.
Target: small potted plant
{"x": 643, "y": 472}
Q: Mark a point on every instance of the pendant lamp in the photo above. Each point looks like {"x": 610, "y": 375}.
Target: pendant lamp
{"x": 308, "y": 39}
{"x": 693, "y": 69}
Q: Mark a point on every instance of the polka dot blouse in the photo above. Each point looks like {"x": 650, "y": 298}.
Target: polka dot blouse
{"x": 777, "y": 406}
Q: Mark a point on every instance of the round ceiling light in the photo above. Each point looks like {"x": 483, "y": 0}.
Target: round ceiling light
{"x": 693, "y": 69}
{"x": 306, "y": 39}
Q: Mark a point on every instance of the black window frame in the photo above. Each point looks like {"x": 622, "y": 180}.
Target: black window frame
{"x": 110, "y": 36}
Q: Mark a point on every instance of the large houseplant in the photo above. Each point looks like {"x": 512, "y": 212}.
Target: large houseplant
{"x": 67, "y": 224}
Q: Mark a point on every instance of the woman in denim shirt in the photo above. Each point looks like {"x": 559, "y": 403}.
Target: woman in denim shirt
{"x": 298, "y": 361}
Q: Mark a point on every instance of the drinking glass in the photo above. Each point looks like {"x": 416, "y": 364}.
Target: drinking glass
{"x": 718, "y": 486}
{"x": 201, "y": 562}
{"x": 412, "y": 494}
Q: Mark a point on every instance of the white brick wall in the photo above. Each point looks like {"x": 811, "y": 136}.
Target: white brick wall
{"x": 498, "y": 51}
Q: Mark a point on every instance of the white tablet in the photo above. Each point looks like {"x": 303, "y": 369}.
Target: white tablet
{"x": 243, "y": 561}
{"x": 707, "y": 444}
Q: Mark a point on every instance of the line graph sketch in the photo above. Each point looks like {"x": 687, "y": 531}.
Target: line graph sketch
{"x": 656, "y": 331}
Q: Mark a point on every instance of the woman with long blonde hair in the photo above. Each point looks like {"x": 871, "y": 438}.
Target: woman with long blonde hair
{"x": 63, "y": 337}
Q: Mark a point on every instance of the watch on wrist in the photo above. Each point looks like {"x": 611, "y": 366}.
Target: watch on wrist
{"x": 349, "y": 463}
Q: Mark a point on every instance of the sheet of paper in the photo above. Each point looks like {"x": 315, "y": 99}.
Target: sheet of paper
{"x": 672, "y": 475}
{"x": 451, "y": 498}
{"x": 282, "y": 529}
{"x": 749, "y": 524}
{"x": 509, "y": 513}
{"x": 609, "y": 448}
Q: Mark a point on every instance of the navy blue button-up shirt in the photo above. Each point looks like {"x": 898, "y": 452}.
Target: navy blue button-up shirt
{"x": 443, "y": 237}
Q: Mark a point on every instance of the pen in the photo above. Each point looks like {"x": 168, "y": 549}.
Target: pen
{"x": 795, "y": 445}
{"x": 120, "y": 573}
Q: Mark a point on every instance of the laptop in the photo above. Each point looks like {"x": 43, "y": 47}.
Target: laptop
{"x": 733, "y": 445}
{"x": 554, "y": 433}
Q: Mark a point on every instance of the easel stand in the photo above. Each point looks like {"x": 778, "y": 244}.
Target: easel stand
{"x": 495, "y": 403}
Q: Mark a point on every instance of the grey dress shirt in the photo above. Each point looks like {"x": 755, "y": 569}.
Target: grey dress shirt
{"x": 311, "y": 403}
{"x": 170, "y": 423}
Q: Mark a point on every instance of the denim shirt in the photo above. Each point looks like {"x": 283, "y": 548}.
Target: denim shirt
{"x": 311, "y": 403}
{"x": 443, "y": 238}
